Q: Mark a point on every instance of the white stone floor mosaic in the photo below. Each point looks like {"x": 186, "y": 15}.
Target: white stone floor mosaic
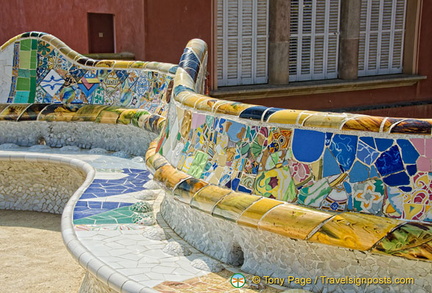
{"x": 148, "y": 253}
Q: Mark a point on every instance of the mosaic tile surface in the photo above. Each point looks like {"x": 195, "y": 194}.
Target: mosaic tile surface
{"x": 365, "y": 183}
{"x": 320, "y": 169}
{"x": 45, "y": 70}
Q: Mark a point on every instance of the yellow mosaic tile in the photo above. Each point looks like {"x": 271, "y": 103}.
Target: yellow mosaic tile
{"x": 256, "y": 211}
{"x": 88, "y": 113}
{"x": 422, "y": 252}
{"x": 13, "y": 112}
{"x": 292, "y": 221}
{"x": 193, "y": 99}
{"x": 233, "y": 205}
{"x": 2, "y": 107}
{"x": 137, "y": 64}
{"x": 126, "y": 116}
{"x": 53, "y": 41}
{"x": 206, "y": 105}
{"x": 108, "y": 117}
{"x": 105, "y": 63}
{"x": 329, "y": 120}
{"x": 122, "y": 64}
{"x": 208, "y": 197}
{"x": 169, "y": 176}
{"x": 354, "y": 230}
{"x": 187, "y": 189}
{"x": 60, "y": 113}
{"x": 363, "y": 123}
{"x": 156, "y": 161}
{"x": 183, "y": 78}
{"x": 284, "y": 117}
{"x": 66, "y": 51}
{"x": 231, "y": 108}
{"x": 304, "y": 115}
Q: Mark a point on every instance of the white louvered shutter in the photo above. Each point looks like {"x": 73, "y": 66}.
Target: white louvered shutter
{"x": 382, "y": 28}
{"x": 314, "y": 39}
{"x": 242, "y": 33}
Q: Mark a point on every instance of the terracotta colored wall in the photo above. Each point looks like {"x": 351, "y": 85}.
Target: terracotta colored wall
{"x": 67, "y": 20}
{"x": 171, "y": 24}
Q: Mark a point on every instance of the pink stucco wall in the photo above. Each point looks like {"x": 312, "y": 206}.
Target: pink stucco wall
{"x": 67, "y": 20}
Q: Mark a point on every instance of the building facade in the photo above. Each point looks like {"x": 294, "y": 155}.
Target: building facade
{"x": 369, "y": 56}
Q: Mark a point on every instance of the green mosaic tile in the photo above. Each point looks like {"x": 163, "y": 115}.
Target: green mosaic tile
{"x": 32, "y": 93}
{"x": 85, "y": 221}
{"x": 24, "y": 73}
{"x": 33, "y": 60}
{"x": 23, "y": 84}
{"x": 125, "y": 220}
{"x": 26, "y": 45}
{"x": 34, "y": 44}
{"x": 32, "y": 84}
{"x": 33, "y": 73}
{"x": 121, "y": 215}
{"x": 24, "y": 59}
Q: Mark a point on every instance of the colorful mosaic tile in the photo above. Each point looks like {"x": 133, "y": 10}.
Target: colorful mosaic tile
{"x": 131, "y": 183}
{"x": 42, "y": 74}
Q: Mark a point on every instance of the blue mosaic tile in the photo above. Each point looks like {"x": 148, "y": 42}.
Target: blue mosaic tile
{"x": 406, "y": 188}
{"x": 347, "y": 187}
{"x": 109, "y": 187}
{"x": 411, "y": 169}
{"x": 373, "y": 172}
{"x": 350, "y": 203}
{"x": 308, "y": 145}
{"x": 190, "y": 63}
{"x": 359, "y": 172}
{"x": 389, "y": 162}
{"x": 330, "y": 165}
{"x": 328, "y": 138}
{"x": 122, "y": 75}
{"x": 235, "y": 130}
{"x": 409, "y": 153}
{"x": 270, "y": 112}
{"x": 344, "y": 148}
{"x": 122, "y": 215}
{"x": 369, "y": 141}
{"x": 255, "y": 112}
{"x": 85, "y": 209}
{"x": 383, "y": 143}
{"x": 397, "y": 179}
{"x": 366, "y": 153}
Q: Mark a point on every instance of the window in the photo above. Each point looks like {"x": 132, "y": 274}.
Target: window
{"x": 242, "y": 40}
{"x": 314, "y": 48}
{"x": 314, "y": 39}
{"x": 382, "y": 28}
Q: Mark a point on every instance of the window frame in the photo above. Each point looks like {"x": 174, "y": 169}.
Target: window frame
{"x": 413, "y": 16}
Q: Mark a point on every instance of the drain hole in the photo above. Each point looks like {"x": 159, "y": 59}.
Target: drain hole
{"x": 236, "y": 255}
{"x": 41, "y": 140}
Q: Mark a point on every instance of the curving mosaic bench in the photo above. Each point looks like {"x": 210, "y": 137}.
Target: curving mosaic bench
{"x": 260, "y": 179}
{"x": 278, "y": 192}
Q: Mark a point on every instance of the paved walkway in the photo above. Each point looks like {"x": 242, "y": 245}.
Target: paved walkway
{"x": 33, "y": 257}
